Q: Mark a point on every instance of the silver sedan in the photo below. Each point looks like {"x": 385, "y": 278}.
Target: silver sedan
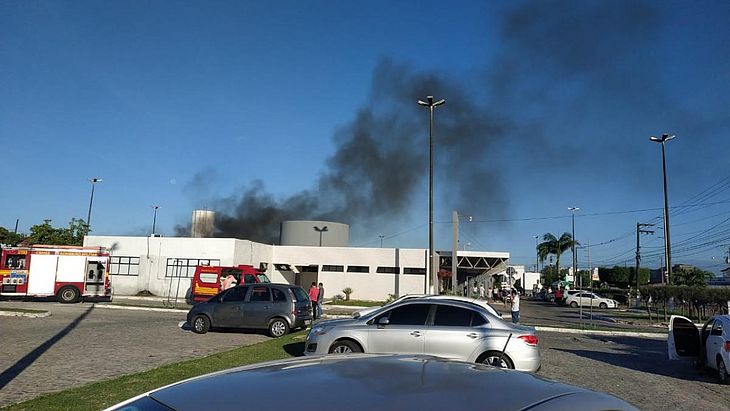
{"x": 445, "y": 328}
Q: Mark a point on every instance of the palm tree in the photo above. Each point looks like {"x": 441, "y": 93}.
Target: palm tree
{"x": 557, "y": 246}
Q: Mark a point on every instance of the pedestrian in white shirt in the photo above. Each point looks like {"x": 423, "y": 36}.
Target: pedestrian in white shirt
{"x": 515, "y": 306}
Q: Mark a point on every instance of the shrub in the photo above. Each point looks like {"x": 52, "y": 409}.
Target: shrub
{"x": 347, "y": 291}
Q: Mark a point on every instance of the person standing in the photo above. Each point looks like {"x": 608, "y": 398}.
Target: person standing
{"x": 313, "y": 297}
{"x": 515, "y": 306}
{"x": 320, "y": 300}
{"x": 481, "y": 291}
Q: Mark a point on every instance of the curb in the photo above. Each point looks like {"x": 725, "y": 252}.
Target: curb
{"x": 135, "y": 308}
{"x": 22, "y": 314}
{"x": 656, "y": 336}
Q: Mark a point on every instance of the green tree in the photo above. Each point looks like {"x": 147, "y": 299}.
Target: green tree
{"x": 8, "y": 237}
{"x": 45, "y": 233}
{"x": 693, "y": 277}
{"x": 556, "y": 247}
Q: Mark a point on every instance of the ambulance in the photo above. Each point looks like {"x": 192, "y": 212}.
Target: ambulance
{"x": 68, "y": 273}
{"x": 209, "y": 280}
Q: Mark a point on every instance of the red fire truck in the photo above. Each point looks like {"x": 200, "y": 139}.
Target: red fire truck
{"x": 208, "y": 280}
{"x": 66, "y": 272}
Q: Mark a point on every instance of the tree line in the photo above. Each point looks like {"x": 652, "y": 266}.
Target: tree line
{"x": 45, "y": 233}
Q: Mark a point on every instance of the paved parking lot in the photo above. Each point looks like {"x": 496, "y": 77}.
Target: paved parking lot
{"x": 79, "y": 344}
{"x": 635, "y": 369}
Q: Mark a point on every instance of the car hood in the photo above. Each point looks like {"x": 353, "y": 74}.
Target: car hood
{"x": 367, "y": 382}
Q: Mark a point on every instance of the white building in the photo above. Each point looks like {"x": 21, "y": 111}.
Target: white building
{"x": 165, "y": 265}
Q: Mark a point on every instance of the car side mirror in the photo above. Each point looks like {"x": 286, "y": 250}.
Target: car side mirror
{"x": 383, "y": 321}
{"x": 356, "y": 315}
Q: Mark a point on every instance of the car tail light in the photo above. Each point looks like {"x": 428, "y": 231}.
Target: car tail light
{"x": 727, "y": 346}
{"x": 529, "y": 339}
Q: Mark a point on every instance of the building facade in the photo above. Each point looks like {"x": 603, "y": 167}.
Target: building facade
{"x": 164, "y": 266}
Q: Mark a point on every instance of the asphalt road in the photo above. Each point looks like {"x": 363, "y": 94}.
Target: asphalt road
{"x": 78, "y": 344}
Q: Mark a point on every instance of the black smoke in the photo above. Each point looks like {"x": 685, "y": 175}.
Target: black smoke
{"x": 558, "y": 61}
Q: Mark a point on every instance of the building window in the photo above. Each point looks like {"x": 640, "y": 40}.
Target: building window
{"x": 124, "y": 265}
{"x": 358, "y": 269}
{"x": 414, "y": 270}
{"x": 309, "y": 269}
{"x": 333, "y": 268}
{"x": 185, "y": 267}
{"x": 388, "y": 270}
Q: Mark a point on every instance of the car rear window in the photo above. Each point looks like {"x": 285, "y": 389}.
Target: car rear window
{"x": 278, "y": 295}
{"x": 260, "y": 294}
{"x": 300, "y": 294}
{"x": 447, "y": 315}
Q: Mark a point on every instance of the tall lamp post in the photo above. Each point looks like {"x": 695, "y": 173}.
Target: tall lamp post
{"x": 537, "y": 254}
{"x": 572, "y": 212}
{"x": 667, "y": 243}
{"x": 93, "y": 182}
{"x": 154, "y": 219}
{"x": 381, "y": 240}
{"x": 320, "y": 231}
{"x": 430, "y": 103}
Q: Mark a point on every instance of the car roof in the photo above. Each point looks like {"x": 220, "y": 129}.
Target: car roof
{"x": 366, "y": 381}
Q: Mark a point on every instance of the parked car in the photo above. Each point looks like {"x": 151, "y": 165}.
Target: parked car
{"x": 588, "y": 299}
{"x": 708, "y": 347}
{"x": 274, "y": 307}
{"x": 481, "y": 303}
{"x": 442, "y": 327}
{"x": 372, "y": 382}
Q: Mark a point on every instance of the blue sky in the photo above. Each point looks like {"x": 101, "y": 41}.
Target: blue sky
{"x": 549, "y": 105}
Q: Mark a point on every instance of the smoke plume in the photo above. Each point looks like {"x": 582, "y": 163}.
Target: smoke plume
{"x": 557, "y": 59}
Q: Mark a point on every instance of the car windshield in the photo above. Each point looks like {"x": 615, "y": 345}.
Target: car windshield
{"x": 263, "y": 278}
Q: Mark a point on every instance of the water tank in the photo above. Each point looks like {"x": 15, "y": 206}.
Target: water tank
{"x": 203, "y": 224}
{"x": 314, "y": 233}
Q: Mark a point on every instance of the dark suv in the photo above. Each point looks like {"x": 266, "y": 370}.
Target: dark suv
{"x": 274, "y": 307}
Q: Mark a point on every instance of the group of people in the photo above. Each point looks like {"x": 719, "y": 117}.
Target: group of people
{"x": 493, "y": 294}
{"x": 316, "y": 295}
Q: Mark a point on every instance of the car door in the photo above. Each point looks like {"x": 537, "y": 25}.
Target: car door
{"x": 228, "y": 311}
{"x": 258, "y": 307}
{"x": 714, "y": 343}
{"x": 683, "y": 341}
{"x": 455, "y": 333}
{"x": 404, "y": 332}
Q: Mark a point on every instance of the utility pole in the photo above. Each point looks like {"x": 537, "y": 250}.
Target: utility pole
{"x": 639, "y": 231}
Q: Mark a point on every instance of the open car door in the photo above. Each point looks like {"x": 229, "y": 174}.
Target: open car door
{"x": 683, "y": 341}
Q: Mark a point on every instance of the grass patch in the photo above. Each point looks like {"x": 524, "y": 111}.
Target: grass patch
{"x": 106, "y": 393}
{"x": 361, "y": 303}
{"x": 23, "y": 310}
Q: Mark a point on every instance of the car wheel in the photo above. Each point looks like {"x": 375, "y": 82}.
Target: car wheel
{"x": 603, "y": 306}
{"x": 278, "y": 327}
{"x": 344, "y": 347}
{"x": 68, "y": 294}
{"x": 201, "y": 324}
{"x": 574, "y": 304}
{"x": 496, "y": 359}
{"x": 722, "y": 372}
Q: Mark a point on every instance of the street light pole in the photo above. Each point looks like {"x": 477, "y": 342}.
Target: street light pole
{"x": 430, "y": 104}
{"x": 572, "y": 212}
{"x": 381, "y": 240}
{"x": 537, "y": 254}
{"x": 667, "y": 243}
{"x": 93, "y": 182}
{"x": 154, "y": 219}
{"x": 320, "y": 231}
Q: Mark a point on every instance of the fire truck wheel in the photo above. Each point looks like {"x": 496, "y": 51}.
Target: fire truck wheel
{"x": 201, "y": 324}
{"x": 68, "y": 294}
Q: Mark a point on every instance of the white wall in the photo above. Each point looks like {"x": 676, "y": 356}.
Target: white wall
{"x": 153, "y": 253}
